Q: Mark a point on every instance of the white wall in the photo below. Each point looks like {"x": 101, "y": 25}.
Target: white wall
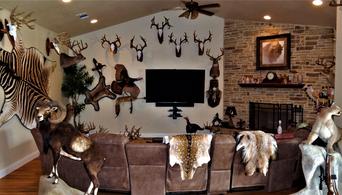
{"x": 153, "y": 120}
{"x": 338, "y": 72}
{"x": 16, "y": 142}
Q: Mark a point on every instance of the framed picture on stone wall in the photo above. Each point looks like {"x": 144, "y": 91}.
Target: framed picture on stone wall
{"x": 273, "y": 52}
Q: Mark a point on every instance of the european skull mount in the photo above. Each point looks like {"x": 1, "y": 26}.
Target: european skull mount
{"x": 201, "y": 43}
{"x": 139, "y": 48}
{"x": 215, "y": 68}
{"x": 160, "y": 28}
{"x": 113, "y": 45}
{"x": 178, "y": 45}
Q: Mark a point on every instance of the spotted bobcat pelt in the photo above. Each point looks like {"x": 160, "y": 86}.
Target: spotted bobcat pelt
{"x": 257, "y": 148}
{"x": 189, "y": 151}
{"x": 326, "y": 129}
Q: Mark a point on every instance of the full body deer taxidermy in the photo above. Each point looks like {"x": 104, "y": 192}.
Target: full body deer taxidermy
{"x": 215, "y": 68}
{"x": 114, "y": 45}
{"x": 178, "y": 46}
{"x": 201, "y": 43}
{"x": 139, "y": 48}
{"x": 65, "y": 140}
{"x": 160, "y": 29}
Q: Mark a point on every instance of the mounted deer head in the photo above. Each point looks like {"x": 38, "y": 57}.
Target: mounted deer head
{"x": 114, "y": 45}
{"x": 215, "y": 68}
{"x": 328, "y": 63}
{"x": 139, "y": 48}
{"x": 67, "y": 61}
{"x": 200, "y": 43}
{"x": 178, "y": 47}
{"x": 160, "y": 29}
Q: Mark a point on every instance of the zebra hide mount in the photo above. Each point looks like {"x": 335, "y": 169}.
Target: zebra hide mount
{"x": 24, "y": 74}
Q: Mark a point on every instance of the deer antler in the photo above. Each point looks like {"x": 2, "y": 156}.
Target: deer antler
{"x": 153, "y": 23}
{"x": 218, "y": 57}
{"x": 104, "y": 40}
{"x": 209, "y": 38}
{"x": 80, "y": 46}
{"x": 63, "y": 38}
{"x": 171, "y": 39}
{"x": 195, "y": 38}
{"x": 185, "y": 40}
{"x": 145, "y": 44}
{"x": 166, "y": 23}
{"x": 21, "y": 19}
{"x": 132, "y": 44}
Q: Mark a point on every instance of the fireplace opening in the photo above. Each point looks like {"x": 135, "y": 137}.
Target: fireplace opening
{"x": 266, "y": 116}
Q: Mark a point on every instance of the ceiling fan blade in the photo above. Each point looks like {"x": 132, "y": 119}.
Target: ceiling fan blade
{"x": 185, "y": 14}
{"x": 205, "y": 12}
{"x": 194, "y": 14}
{"x": 209, "y": 5}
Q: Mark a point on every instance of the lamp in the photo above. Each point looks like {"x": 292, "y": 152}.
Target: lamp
{"x": 333, "y": 3}
{"x": 231, "y": 112}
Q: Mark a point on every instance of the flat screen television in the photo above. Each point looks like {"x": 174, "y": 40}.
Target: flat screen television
{"x": 178, "y": 87}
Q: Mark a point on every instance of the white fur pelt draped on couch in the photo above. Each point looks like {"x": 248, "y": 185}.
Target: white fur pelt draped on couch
{"x": 313, "y": 157}
{"x": 257, "y": 148}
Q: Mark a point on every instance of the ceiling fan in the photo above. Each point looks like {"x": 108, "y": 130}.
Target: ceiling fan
{"x": 193, "y": 9}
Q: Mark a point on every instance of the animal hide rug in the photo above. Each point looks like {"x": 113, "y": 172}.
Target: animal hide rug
{"x": 189, "y": 151}
{"x": 257, "y": 148}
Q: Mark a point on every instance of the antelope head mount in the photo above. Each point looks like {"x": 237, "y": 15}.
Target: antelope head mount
{"x": 160, "y": 28}
{"x": 178, "y": 46}
{"x": 139, "y": 48}
{"x": 215, "y": 68}
{"x": 201, "y": 43}
{"x": 114, "y": 45}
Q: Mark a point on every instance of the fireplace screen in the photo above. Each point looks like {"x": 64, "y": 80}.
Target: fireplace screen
{"x": 265, "y": 116}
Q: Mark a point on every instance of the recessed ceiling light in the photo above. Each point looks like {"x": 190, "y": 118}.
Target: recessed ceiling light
{"x": 267, "y": 17}
{"x": 317, "y": 2}
{"x": 66, "y": 1}
{"x": 93, "y": 21}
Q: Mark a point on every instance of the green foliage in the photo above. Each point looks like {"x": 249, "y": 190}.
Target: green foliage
{"x": 76, "y": 82}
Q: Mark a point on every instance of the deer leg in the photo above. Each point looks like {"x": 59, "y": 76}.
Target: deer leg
{"x": 56, "y": 157}
{"x": 93, "y": 169}
{"x": 90, "y": 188}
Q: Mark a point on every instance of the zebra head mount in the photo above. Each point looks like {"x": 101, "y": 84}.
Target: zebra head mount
{"x": 114, "y": 45}
{"x": 201, "y": 43}
{"x": 160, "y": 29}
{"x": 178, "y": 46}
{"x": 215, "y": 68}
{"x": 139, "y": 48}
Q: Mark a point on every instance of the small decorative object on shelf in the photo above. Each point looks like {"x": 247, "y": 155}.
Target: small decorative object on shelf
{"x": 279, "y": 129}
{"x": 271, "y": 77}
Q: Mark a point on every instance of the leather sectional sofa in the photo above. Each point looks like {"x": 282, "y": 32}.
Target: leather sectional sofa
{"x": 143, "y": 169}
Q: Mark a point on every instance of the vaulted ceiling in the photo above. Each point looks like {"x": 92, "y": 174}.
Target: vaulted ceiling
{"x": 61, "y": 17}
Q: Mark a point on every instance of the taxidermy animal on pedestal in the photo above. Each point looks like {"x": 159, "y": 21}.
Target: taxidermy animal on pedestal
{"x": 326, "y": 129}
{"x": 67, "y": 141}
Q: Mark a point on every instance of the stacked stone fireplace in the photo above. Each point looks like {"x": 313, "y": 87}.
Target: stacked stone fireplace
{"x": 308, "y": 43}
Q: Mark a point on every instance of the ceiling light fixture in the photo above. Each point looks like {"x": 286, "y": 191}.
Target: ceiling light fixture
{"x": 267, "y": 17}
{"x": 93, "y": 21}
{"x": 66, "y": 1}
{"x": 317, "y": 2}
{"x": 333, "y": 3}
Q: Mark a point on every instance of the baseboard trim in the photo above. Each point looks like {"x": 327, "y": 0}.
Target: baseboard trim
{"x": 19, "y": 163}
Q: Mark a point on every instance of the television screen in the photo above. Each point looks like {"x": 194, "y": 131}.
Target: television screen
{"x": 175, "y": 86}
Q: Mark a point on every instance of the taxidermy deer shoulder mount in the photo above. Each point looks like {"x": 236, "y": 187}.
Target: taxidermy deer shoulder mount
{"x": 160, "y": 28}
{"x": 215, "y": 68}
{"x": 67, "y": 61}
{"x": 139, "y": 48}
{"x": 17, "y": 21}
{"x": 178, "y": 46}
{"x": 328, "y": 64}
{"x": 201, "y": 43}
{"x": 113, "y": 45}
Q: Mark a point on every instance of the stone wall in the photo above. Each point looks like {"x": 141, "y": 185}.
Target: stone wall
{"x": 307, "y": 44}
